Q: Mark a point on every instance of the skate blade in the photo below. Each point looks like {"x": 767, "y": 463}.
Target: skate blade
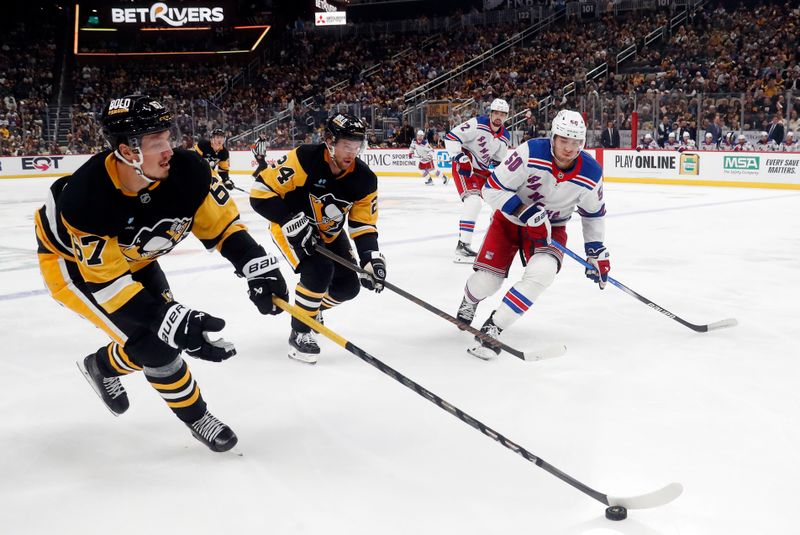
{"x": 88, "y": 378}
{"x": 305, "y": 358}
{"x": 464, "y": 260}
{"x": 482, "y": 353}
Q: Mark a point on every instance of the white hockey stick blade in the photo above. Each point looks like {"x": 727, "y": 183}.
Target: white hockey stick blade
{"x": 721, "y": 324}
{"x": 656, "y": 498}
{"x": 548, "y": 352}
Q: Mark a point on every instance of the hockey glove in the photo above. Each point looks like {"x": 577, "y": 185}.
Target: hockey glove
{"x": 187, "y": 329}
{"x": 462, "y": 165}
{"x": 375, "y": 267}
{"x": 538, "y": 223}
{"x": 299, "y": 232}
{"x": 598, "y": 256}
{"x": 228, "y": 183}
{"x": 264, "y": 279}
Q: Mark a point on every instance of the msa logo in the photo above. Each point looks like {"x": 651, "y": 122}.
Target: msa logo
{"x": 41, "y": 163}
{"x": 745, "y": 163}
{"x": 160, "y": 12}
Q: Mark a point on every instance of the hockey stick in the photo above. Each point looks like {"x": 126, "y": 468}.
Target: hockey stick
{"x": 721, "y": 324}
{"x": 644, "y": 501}
{"x": 545, "y": 353}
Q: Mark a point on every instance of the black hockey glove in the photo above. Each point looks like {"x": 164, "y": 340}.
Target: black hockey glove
{"x": 264, "y": 279}
{"x": 375, "y": 267}
{"x": 299, "y": 232}
{"x": 187, "y": 329}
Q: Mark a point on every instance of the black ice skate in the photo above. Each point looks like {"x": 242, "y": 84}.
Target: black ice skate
{"x": 444, "y": 179}
{"x": 464, "y": 255}
{"x": 303, "y": 347}
{"x": 213, "y": 433}
{"x": 483, "y": 350}
{"x": 110, "y": 389}
{"x": 429, "y": 182}
{"x": 466, "y": 312}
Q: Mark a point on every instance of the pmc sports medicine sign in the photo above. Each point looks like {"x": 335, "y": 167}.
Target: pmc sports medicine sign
{"x": 162, "y": 13}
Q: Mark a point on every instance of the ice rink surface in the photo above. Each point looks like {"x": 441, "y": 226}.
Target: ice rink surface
{"x": 637, "y": 401}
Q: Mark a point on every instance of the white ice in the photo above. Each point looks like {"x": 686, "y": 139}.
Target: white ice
{"x": 637, "y": 401}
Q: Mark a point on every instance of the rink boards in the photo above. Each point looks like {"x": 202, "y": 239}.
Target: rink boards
{"x": 776, "y": 170}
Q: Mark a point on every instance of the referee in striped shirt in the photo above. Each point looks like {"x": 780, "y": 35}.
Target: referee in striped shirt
{"x": 259, "y": 149}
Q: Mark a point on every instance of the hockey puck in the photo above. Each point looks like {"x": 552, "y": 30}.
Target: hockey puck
{"x": 616, "y": 512}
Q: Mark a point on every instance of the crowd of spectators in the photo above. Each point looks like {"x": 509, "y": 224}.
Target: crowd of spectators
{"x": 676, "y": 85}
{"x": 26, "y": 85}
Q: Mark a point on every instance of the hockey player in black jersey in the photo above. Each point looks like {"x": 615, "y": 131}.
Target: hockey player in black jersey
{"x": 99, "y": 236}
{"x": 215, "y": 152}
{"x": 309, "y": 197}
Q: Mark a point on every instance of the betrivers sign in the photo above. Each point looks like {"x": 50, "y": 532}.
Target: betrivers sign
{"x": 161, "y": 12}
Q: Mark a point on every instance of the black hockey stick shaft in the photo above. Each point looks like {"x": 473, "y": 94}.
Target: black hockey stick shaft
{"x": 427, "y": 306}
{"x": 438, "y": 401}
{"x": 646, "y": 301}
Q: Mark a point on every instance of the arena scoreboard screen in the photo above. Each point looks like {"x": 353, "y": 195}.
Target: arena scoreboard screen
{"x": 142, "y": 28}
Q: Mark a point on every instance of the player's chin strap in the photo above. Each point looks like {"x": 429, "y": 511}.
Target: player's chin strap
{"x": 137, "y": 165}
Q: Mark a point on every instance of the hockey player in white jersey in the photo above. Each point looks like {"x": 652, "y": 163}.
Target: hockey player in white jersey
{"x": 764, "y": 144}
{"x": 475, "y": 146}
{"x": 422, "y": 150}
{"x": 789, "y": 144}
{"x": 534, "y": 192}
{"x": 742, "y": 145}
{"x": 648, "y": 143}
{"x": 708, "y": 142}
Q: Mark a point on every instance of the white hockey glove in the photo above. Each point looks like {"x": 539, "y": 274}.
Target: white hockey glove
{"x": 299, "y": 232}
{"x": 375, "y": 267}
{"x": 264, "y": 279}
{"x": 598, "y": 256}
{"x": 187, "y": 329}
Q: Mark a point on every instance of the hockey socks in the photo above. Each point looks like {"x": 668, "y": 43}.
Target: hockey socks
{"x": 469, "y": 214}
{"x": 176, "y": 385}
{"x": 112, "y": 361}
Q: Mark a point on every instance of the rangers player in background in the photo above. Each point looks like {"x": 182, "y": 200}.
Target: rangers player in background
{"x": 742, "y": 145}
{"x": 789, "y": 144}
{"x": 310, "y": 196}
{"x": 100, "y": 234}
{"x": 708, "y": 142}
{"x": 424, "y": 152}
{"x": 534, "y": 193}
{"x": 764, "y": 143}
{"x": 475, "y": 146}
{"x": 648, "y": 143}
{"x": 216, "y": 154}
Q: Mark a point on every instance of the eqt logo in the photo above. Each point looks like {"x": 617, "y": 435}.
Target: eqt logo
{"x": 40, "y": 163}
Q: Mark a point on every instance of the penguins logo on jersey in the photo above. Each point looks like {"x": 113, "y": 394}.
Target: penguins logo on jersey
{"x": 158, "y": 240}
{"x": 329, "y": 212}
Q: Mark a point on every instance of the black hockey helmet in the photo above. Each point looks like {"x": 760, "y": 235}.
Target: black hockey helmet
{"x": 345, "y": 126}
{"x": 217, "y": 132}
{"x": 127, "y": 119}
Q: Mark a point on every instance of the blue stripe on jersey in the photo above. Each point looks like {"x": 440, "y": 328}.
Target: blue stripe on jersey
{"x": 600, "y": 213}
{"x": 511, "y": 204}
{"x": 540, "y": 167}
{"x": 581, "y": 184}
{"x": 493, "y": 183}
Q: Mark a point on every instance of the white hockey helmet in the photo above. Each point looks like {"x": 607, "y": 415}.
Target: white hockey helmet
{"x": 648, "y": 137}
{"x": 569, "y": 124}
{"x": 499, "y": 104}
{"x": 741, "y": 137}
{"x": 420, "y": 133}
{"x": 685, "y": 134}
{"x": 790, "y": 134}
{"x": 709, "y": 135}
{"x": 764, "y": 134}
{"x": 671, "y": 135}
